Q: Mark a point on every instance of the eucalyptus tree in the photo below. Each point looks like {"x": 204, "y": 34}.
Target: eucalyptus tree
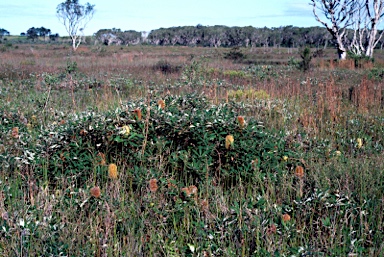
{"x": 75, "y": 17}
{"x": 339, "y": 15}
{"x": 366, "y": 22}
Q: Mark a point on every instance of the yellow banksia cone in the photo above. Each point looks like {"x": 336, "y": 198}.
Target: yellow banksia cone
{"x": 359, "y": 143}
{"x": 112, "y": 171}
{"x": 228, "y": 141}
{"x": 95, "y": 192}
{"x": 126, "y": 130}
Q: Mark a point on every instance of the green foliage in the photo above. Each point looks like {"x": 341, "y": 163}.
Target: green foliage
{"x": 51, "y": 159}
{"x": 235, "y": 54}
{"x": 360, "y": 60}
{"x": 376, "y": 73}
{"x": 71, "y": 67}
{"x": 306, "y": 58}
{"x": 166, "y": 67}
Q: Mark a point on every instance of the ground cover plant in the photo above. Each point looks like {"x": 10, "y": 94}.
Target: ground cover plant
{"x": 175, "y": 151}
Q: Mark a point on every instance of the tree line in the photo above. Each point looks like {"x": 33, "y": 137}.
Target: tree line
{"x": 223, "y": 36}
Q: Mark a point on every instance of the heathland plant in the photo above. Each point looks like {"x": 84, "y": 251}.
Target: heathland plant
{"x": 271, "y": 163}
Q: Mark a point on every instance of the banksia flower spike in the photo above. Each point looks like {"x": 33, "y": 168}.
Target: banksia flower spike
{"x": 241, "y": 121}
{"x": 15, "y": 132}
{"x": 112, "y": 171}
{"x": 286, "y": 217}
{"x": 161, "y": 104}
{"x": 137, "y": 112}
{"x": 95, "y": 192}
{"x": 299, "y": 172}
{"x": 228, "y": 141}
{"x": 359, "y": 143}
{"x": 153, "y": 185}
{"x": 101, "y": 158}
{"x": 125, "y": 130}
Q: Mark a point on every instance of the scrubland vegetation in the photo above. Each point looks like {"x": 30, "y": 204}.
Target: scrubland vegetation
{"x": 178, "y": 151}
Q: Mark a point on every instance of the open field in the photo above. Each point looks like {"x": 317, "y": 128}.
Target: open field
{"x": 178, "y": 151}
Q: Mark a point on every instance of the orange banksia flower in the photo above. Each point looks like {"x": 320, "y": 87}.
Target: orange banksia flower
{"x": 137, "y": 112}
{"x": 272, "y": 229}
{"x": 161, "y": 104}
{"x": 83, "y": 132}
{"x": 228, "y": 141}
{"x": 95, "y": 192}
{"x": 153, "y": 185}
{"x": 101, "y": 158}
{"x": 241, "y": 121}
{"x": 15, "y": 132}
{"x": 299, "y": 172}
{"x": 204, "y": 206}
{"x": 193, "y": 190}
{"x": 112, "y": 171}
{"x": 286, "y": 217}
{"x": 189, "y": 191}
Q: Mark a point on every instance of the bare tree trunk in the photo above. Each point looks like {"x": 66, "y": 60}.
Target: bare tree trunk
{"x": 374, "y": 15}
{"x": 339, "y": 13}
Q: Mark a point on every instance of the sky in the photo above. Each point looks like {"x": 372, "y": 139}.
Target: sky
{"x": 145, "y": 15}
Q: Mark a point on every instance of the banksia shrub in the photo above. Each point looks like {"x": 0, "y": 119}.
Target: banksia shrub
{"x": 112, "y": 171}
{"x": 95, "y": 192}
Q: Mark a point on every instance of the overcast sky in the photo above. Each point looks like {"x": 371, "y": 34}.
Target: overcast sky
{"x": 145, "y": 15}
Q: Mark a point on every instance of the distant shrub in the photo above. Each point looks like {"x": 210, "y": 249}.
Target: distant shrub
{"x": 235, "y": 54}
{"x": 166, "y": 67}
{"x": 306, "y": 58}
